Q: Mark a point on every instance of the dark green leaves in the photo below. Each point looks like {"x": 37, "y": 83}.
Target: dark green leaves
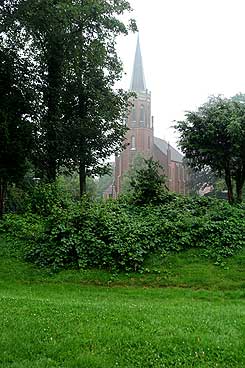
{"x": 214, "y": 137}
{"x": 117, "y": 235}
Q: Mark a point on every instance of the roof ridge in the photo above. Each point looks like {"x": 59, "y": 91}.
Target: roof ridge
{"x": 162, "y": 144}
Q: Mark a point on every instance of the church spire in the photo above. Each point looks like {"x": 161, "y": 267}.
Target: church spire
{"x": 138, "y": 78}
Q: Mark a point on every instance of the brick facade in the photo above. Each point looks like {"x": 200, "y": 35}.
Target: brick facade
{"x": 140, "y": 137}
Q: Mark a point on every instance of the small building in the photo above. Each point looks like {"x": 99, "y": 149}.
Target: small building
{"x": 140, "y": 137}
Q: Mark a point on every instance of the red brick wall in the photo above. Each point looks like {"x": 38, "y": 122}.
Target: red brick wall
{"x": 143, "y": 137}
{"x": 177, "y": 175}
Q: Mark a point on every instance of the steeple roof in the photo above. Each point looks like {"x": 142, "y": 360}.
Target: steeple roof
{"x": 138, "y": 78}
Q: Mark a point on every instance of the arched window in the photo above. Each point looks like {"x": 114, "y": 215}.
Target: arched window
{"x": 149, "y": 142}
{"x": 133, "y": 117}
{"x": 133, "y": 143}
{"x": 142, "y": 115}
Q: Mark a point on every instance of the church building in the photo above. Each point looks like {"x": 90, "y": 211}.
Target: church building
{"x": 140, "y": 137}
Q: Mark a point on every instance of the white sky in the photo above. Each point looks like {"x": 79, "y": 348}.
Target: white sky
{"x": 191, "y": 49}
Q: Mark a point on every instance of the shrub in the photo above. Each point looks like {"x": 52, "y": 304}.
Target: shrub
{"x": 149, "y": 185}
{"x": 46, "y": 198}
{"x": 117, "y": 235}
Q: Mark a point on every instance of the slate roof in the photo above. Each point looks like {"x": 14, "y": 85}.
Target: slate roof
{"x": 162, "y": 145}
{"x": 138, "y": 79}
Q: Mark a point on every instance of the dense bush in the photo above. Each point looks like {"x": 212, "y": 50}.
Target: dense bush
{"x": 148, "y": 185}
{"x": 45, "y": 199}
{"x": 116, "y": 234}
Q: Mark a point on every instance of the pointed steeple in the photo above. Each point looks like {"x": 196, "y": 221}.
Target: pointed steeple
{"x": 138, "y": 78}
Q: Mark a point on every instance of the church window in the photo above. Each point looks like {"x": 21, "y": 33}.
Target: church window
{"x": 133, "y": 143}
{"x": 142, "y": 115}
{"x": 133, "y": 117}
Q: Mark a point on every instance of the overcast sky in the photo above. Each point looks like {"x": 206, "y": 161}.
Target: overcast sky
{"x": 191, "y": 49}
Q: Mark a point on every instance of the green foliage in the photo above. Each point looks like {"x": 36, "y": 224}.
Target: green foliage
{"x": 17, "y": 200}
{"x": 148, "y": 184}
{"x": 95, "y": 187}
{"x": 137, "y": 164}
{"x": 213, "y": 137}
{"x": 69, "y": 184}
{"x": 73, "y": 66}
{"x": 48, "y": 198}
{"x": 103, "y": 183}
{"x": 199, "y": 180}
{"x": 15, "y": 128}
{"x": 26, "y": 227}
{"x": 117, "y": 235}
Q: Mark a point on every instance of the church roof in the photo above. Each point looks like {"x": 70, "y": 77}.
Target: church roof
{"x": 162, "y": 145}
{"x": 138, "y": 79}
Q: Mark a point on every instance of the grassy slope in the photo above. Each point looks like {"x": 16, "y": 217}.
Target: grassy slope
{"x": 65, "y": 320}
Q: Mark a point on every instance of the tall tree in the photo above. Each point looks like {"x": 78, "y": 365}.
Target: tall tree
{"x": 214, "y": 136}
{"x": 44, "y": 24}
{"x": 15, "y": 126}
{"x": 72, "y": 45}
{"x": 94, "y": 111}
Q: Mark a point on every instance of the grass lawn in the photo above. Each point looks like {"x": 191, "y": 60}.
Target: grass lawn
{"x": 194, "y": 316}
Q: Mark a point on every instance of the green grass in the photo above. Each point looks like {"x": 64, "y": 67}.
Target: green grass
{"x": 193, "y": 317}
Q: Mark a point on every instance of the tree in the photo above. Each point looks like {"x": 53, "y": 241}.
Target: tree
{"x": 73, "y": 46}
{"x": 105, "y": 181}
{"x": 148, "y": 184}
{"x": 139, "y": 162}
{"x": 199, "y": 180}
{"x": 15, "y": 127}
{"x": 94, "y": 111}
{"x": 70, "y": 185}
{"x": 214, "y": 137}
{"x": 239, "y": 97}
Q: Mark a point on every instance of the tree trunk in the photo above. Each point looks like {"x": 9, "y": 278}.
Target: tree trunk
{"x": 55, "y": 59}
{"x": 82, "y": 110}
{"x": 82, "y": 178}
{"x": 239, "y": 192}
{"x": 51, "y": 170}
{"x": 3, "y": 191}
{"x": 228, "y": 181}
{"x": 240, "y": 179}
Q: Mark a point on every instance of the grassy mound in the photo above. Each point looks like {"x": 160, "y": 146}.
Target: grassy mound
{"x": 187, "y": 269}
{"x": 120, "y": 236}
{"x": 66, "y": 320}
